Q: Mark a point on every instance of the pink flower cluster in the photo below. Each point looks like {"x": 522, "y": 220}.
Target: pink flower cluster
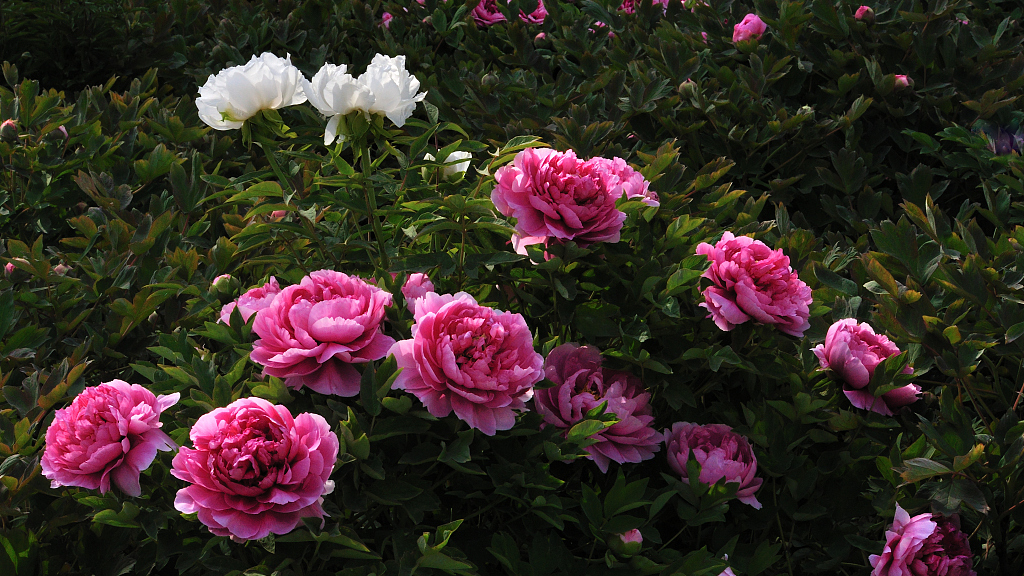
{"x": 556, "y": 197}
{"x": 924, "y": 545}
{"x": 852, "y": 351}
{"x": 487, "y": 13}
{"x": 752, "y": 281}
{"x": 109, "y": 433}
{"x": 255, "y": 469}
{"x": 582, "y": 384}
{"x": 464, "y": 357}
{"x": 722, "y": 454}
{"x": 312, "y": 332}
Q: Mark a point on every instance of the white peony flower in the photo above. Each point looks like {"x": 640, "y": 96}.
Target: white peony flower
{"x": 334, "y": 92}
{"x": 394, "y": 89}
{"x": 236, "y": 94}
{"x": 451, "y": 170}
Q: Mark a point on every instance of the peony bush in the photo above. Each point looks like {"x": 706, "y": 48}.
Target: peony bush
{"x": 611, "y": 287}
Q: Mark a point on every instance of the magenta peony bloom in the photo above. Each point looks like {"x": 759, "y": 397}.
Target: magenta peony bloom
{"x": 314, "y": 331}
{"x": 925, "y": 545}
{"x": 554, "y": 196}
{"x": 722, "y": 454}
{"x": 751, "y": 28}
{"x": 110, "y": 432}
{"x": 581, "y": 384}
{"x": 622, "y": 179}
{"x": 903, "y": 81}
{"x": 469, "y": 358}
{"x": 486, "y": 13}
{"x": 865, "y": 13}
{"x": 417, "y": 285}
{"x": 853, "y": 351}
{"x": 255, "y": 470}
{"x": 752, "y": 281}
{"x": 251, "y": 302}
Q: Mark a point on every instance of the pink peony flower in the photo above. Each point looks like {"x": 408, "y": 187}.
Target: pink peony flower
{"x": 925, "y": 545}
{"x": 9, "y": 130}
{"x": 627, "y": 544}
{"x": 722, "y": 454}
{"x": 251, "y": 302}
{"x": 751, "y": 28}
{"x": 314, "y": 331}
{"x": 255, "y": 470}
{"x": 752, "y": 281}
{"x": 581, "y": 384}
{"x": 853, "y": 351}
{"x": 469, "y": 358}
{"x": 623, "y": 179}
{"x": 110, "y": 432}
{"x": 9, "y": 268}
{"x": 487, "y": 13}
{"x": 417, "y": 285}
{"x": 865, "y": 13}
{"x": 386, "y": 19}
{"x": 554, "y": 196}
{"x": 903, "y": 81}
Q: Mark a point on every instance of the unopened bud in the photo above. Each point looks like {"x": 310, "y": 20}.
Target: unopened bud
{"x": 865, "y": 14}
{"x": 9, "y": 131}
{"x": 688, "y": 89}
{"x": 626, "y": 544}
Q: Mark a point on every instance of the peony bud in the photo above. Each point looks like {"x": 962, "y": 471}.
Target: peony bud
{"x": 626, "y": 544}
{"x": 8, "y": 268}
{"x": 9, "y": 131}
{"x": 865, "y": 14}
{"x": 61, "y": 269}
{"x": 904, "y": 81}
{"x": 688, "y": 89}
{"x": 751, "y": 28}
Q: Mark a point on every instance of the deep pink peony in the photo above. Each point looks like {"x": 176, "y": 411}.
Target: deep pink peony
{"x": 486, "y": 13}
{"x": 252, "y": 301}
{"x": 469, "y": 358}
{"x": 925, "y": 545}
{"x": 314, "y": 331}
{"x": 722, "y": 454}
{"x": 110, "y": 432}
{"x": 752, "y": 281}
{"x": 621, "y": 179}
{"x": 416, "y": 286}
{"x": 555, "y": 196}
{"x": 255, "y": 470}
{"x": 751, "y": 28}
{"x": 853, "y": 351}
{"x": 581, "y": 384}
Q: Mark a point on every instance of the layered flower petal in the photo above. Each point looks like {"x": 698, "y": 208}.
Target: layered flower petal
{"x": 723, "y": 455}
{"x": 235, "y": 94}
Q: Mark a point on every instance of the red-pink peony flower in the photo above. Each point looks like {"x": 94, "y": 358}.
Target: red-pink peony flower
{"x": 555, "y": 196}
{"x": 752, "y": 281}
{"x": 469, "y": 358}
{"x": 255, "y": 469}
{"x": 852, "y": 351}
{"x": 750, "y": 28}
{"x": 581, "y": 384}
{"x": 487, "y": 13}
{"x": 252, "y": 301}
{"x": 314, "y": 331}
{"x": 416, "y": 286}
{"x": 925, "y": 545}
{"x": 621, "y": 179}
{"x": 722, "y": 454}
{"x": 109, "y": 433}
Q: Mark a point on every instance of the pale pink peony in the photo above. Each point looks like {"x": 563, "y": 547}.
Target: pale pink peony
{"x": 751, "y": 28}
{"x": 251, "y": 302}
{"x": 469, "y": 358}
{"x": 622, "y": 179}
{"x": 417, "y": 285}
{"x": 925, "y": 545}
{"x": 255, "y": 470}
{"x": 314, "y": 331}
{"x": 853, "y": 351}
{"x": 752, "y": 281}
{"x": 487, "y": 13}
{"x": 555, "y": 196}
{"x": 903, "y": 81}
{"x": 581, "y": 384}
{"x": 865, "y": 13}
{"x": 722, "y": 454}
{"x": 727, "y": 572}
{"x": 109, "y": 433}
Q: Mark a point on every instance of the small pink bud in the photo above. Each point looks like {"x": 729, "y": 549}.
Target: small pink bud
{"x": 61, "y": 269}
{"x": 751, "y": 28}
{"x": 904, "y": 81}
{"x": 386, "y": 19}
{"x": 9, "y": 131}
{"x": 278, "y": 213}
{"x": 8, "y": 268}
{"x": 627, "y": 544}
{"x": 540, "y": 37}
{"x": 865, "y": 14}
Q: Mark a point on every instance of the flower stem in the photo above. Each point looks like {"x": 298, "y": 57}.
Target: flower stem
{"x": 370, "y": 195}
